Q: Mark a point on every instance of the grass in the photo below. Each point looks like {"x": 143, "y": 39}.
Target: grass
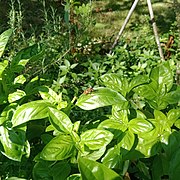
{"x": 110, "y": 15}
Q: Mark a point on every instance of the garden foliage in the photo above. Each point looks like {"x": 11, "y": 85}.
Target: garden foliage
{"x": 125, "y": 123}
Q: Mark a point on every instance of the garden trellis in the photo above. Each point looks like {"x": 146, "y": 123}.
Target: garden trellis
{"x": 153, "y": 24}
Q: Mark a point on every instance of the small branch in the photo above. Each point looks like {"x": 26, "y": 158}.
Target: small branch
{"x": 124, "y": 25}
{"x": 155, "y": 29}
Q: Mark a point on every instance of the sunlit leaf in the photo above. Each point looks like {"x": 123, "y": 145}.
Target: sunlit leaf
{"x": 60, "y": 120}
{"x": 16, "y": 95}
{"x": 96, "y": 139}
{"x": 4, "y": 37}
{"x": 20, "y": 79}
{"x": 98, "y": 98}
{"x": 113, "y": 158}
{"x": 116, "y": 83}
{"x": 31, "y": 111}
{"x": 139, "y": 125}
{"x": 11, "y": 147}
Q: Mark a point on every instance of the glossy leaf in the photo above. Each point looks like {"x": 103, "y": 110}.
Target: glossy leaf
{"x": 116, "y": 83}
{"x": 74, "y": 177}
{"x": 173, "y": 115}
{"x": 173, "y": 144}
{"x": 139, "y": 125}
{"x": 145, "y": 91}
{"x": 120, "y": 115}
{"x": 148, "y": 147}
{"x": 59, "y": 148}
{"x": 93, "y": 155}
{"x": 96, "y": 139}
{"x": 91, "y": 170}
{"x": 98, "y": 98}
{"x": 173, "y": 97}
{"x": 138, "y": 80}
{"x": 127, "y": 142}
{"x": 48, "y": 94}
{"x": 20, "y": 79}
{"x": 16, "y": 95}
{"x": 114, "y": 126}
{"x": 113, "y": 158}
{"x": 162, "y": 120}
{"x": 177, "y": 123}
{"x": 31, "y": 111}
{"x": 60, "y": 120}
{"x": 4, "y": 37}
{"x": 162, "y": 77}
{"x": 7, "y": 112}
{"x": 11, "y": 149}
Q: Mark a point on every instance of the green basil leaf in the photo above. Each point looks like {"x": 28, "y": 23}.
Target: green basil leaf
{"x": 4, "y": 37}
{"x": 174, "y": 168}
{"x": 114, "y": 82}
{"x": 60, "y": 170}
{"x": 31, "y": 111}
{"x": 177, "y": 123}
{"x": 148, "y": 147}
{"x": 145, "y": 91}
{"x": 20, "y": 79}
{"x": 173, "y": 97}
{"x": 30, "y": 53}
{"x": 60, "y": 120}
{"x": 173, "y": 144}
{"x": 7, "y": 112}
{"x": 120, "y": 115}
{"x": 91, "y": 170}
{"x": 3, "y": 66}
{"x": 114, "y": 126}
{"x": 126, "y": 142}
{"x": 12, "y": 148}
{"x": 157, "y": 168}
{"x": 48, "y": 94}
{"x": 139, "y": 125}
{"x": 59, "y": 148}
{"x": 162, "y": 78}
{"x": 144, "y": 169}
{"x": 16, "y": 95}
{"x": 93, "y": 155}
{"x": 138, "y": 80}
{"x": 173, "y": 115}
{"x": 98, "y": 98}
{"x": 96, "y": 139}
{"x": 113, "y": 158}
{"x": 74, "y": 177}
{"x": 42, "y": 170}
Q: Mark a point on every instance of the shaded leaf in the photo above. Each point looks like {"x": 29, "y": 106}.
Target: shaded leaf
{"x": 91, "y": 170}
{"x": 59, "y": 148}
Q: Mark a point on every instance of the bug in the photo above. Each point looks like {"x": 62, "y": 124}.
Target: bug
{"x": 88, "y": 90}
